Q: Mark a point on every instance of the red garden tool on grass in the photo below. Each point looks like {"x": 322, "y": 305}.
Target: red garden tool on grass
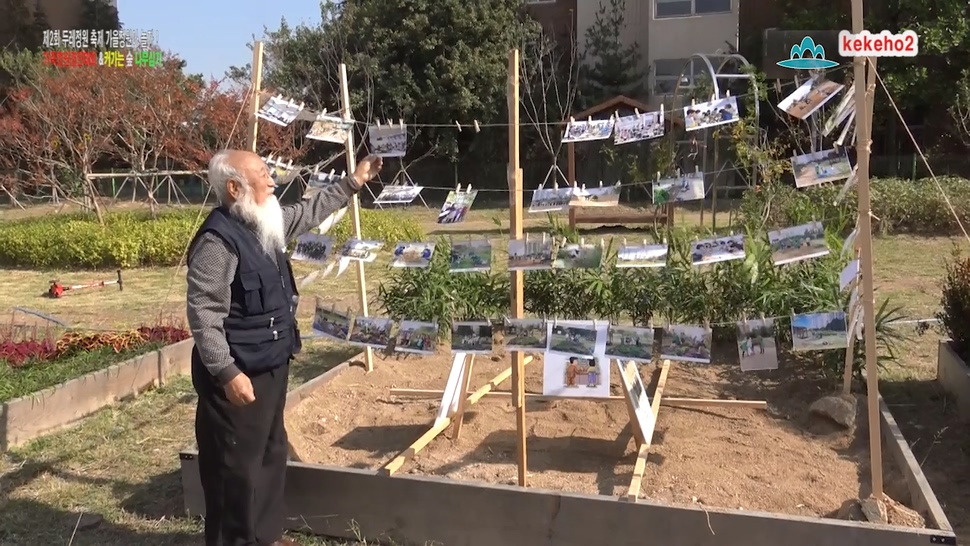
{"x": 57, "y": 289}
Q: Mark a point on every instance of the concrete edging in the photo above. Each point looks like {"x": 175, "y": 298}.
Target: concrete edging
{"x": 954, "y": 375}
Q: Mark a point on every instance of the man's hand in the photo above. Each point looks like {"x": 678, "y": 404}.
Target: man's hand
{"x": 239, "y": 391}
{"x": 367, "y": 169}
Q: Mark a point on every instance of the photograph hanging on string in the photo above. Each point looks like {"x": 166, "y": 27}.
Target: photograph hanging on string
{"x": 579, "y": 256}
{"x": 471, "y": 257}
{"x": 849, "y": 274}
{"x": 313, "y": 248}
{"x": 388, "y": 140}
{"x": 329, "y": 323}
{"x": 841, "y": 113}
{"x": 530, "y": 254}
{"x": 526, "y": 335}
{"x": 642, "y": 256}
{"x": 474, "y": 338}
{"x": 551, "y": 199}
{"x": 322, "y": 179}
{"x": 722, "y": 249}
{"x": 684, "y": 343}
{"x": 688, "y": 187}
{"x": 629, "y": 343}
{"x": 398, "y": 195}
{"x": 816, "y": 168}
{"x": 809, "y": 97}
{"x": 637, "y": 395}
{"x": 574, "y": 340}
{"x": 371, "y": 332}
{"x": 417, "y": 337}
{"x": 819, "y": 331}
{"x": 570, "y": 376}
{"x": 456, "y": 206}
{"x": 364, "y": 251}
{"x": 635, "y": 128}
{"x": 279, "y": 111}
{"x": 416, "y": 255}
{"x": 797, "y": 243}
{"x": 756, "y": 345}
{"x": 711, "y": 114}
{"x": 603, "y": 196}
{"x": 330, "y": 129}
{"x": 585, "y": 131}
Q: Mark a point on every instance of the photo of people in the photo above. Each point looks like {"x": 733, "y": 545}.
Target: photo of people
{"x": 526, "y": 335}
{"x": 842, "y": 111}
{"x": 756, "y": 345}
{"x": 578, "y": 256}
{"x": 312, "y": 248}
{"x": 471, "y": 337}
{"x": 638, "y": 127}
{"x": 689, "y": 187}
{"x": 797, "y": 243}
{"x": 817, "y": 168}
{"x": 371, "y": 332}
{"x": 329, "y": 323}
{"x": 530, "y": 255}
{"x": 722, "y": 249}
{"x": 417, "y": 337}
{"x": 471, "y": 257}
{"x": 575, "y": 377}
{"x": 686, "y": 344}
{"x": 603, "y": 196}
{"x": 584, "y": 131}
{"x": 550, "y": 199}
{"x": 572, "y": 340}
{"x": 641, "y": 256}
{"x": 279, "y": 111}
{"x": 413, "y": 255}
{"x": 330, "y": 129}
{"x": 456, "y": 206}
{"x": 320, "y": 179}
{"x": 398, "y": 195}
{"x": 809, "y": 97}
{"x": 711, "y": 114}
{"x": 819, "y": 331}
{"x": 388, "y": 140}
{"x": 628, "y": 343}
{"x": 364, "y": 251}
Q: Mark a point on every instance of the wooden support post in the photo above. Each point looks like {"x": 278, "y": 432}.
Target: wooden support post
{"x": 466, "y": 378}
{"x": 643, "y": 451}
{"x": 518, "y": 281}
{"x": 257, "y": 84}
{"x": 865, "y": 262}
{"x": 571, "y": 174}
{"x": 351, "y": 153}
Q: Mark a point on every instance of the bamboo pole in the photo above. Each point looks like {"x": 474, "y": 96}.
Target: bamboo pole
{"x": 257, "y": 75}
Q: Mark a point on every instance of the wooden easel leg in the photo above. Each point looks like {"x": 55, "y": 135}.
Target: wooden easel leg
{"x": 466, "y": 378}
{"x": 643, "y": 450}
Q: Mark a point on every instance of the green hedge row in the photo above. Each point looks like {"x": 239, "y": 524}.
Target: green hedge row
{"x": 78, "y": 241}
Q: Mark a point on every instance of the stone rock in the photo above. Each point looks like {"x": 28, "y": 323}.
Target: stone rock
{"x": 839, "y": 408}
{"x": 904, "y": 516}
{"x": 875, "y": 511}
{"x": 851, "y": 511}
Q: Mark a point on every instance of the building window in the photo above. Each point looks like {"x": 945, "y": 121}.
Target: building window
{"x": 686, "y": 8}
{"x": 666, "y": 72}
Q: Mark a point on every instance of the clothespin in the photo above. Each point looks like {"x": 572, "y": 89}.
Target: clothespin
{"x": 661, "y": 111}
{"x": 572, "y": 120}
{"x": 555, "y": 185}
{"x": 378, "y": 123}
{"x": 342, "y": 174}
{"x": 697, "y": 170}
{"x": 468, "y": 188}
{"x": 678, "y": 173}
{"x": 658, "y": 176}
{"x": 693, "y": 102}
{"x": 316, "y": 169}
{"x": 713, "y": 97}
{"x": 584, "y": 187}
{"x": 636, "y": 111}
{"x": 601, "y": 183}
{"x": 582, "y": 241}
{"x": 617, "y": 184}
{"x": 302, "y": 104}
{"x": 458, "y": 188}
{"x": 616, "y": 114}
{"x": 324, "y": 113}
{"x": 279, "y": 98}
{"x": 477, "y": 128}
{"x": 401, "y": 121}
{"x": 589, "y": 120}
{"x": 458, "y": 125}
{"x": 727, "y": 93}
{"x": 602, "y": 242}
{"x": 624, "y": 241}
{"x": 289, "y": 166}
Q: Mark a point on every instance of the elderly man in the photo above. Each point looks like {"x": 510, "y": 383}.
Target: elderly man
{"x": 242, "y": 301}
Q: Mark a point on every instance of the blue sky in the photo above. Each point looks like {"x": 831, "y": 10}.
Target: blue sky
{"x": 211, "y": 35}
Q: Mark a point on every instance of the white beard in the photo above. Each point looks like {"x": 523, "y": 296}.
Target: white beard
{"x": 267, "y": 220}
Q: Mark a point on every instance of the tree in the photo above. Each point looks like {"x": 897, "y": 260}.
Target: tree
{"x": 549, "y": 85}
{"x": 22, "y": 25}
{"x": 99, "y": 15}
{"x": 610, "y": 68}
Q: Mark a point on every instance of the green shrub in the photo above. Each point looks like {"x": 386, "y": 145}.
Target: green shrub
{"x": 392, "y": 227}
{"x": 954, "y": 314}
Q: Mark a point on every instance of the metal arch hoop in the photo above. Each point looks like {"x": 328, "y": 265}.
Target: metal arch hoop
{"x": 722, "y": 60}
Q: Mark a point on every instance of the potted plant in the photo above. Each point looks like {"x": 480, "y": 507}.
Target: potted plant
{"x": 954, "y": 316}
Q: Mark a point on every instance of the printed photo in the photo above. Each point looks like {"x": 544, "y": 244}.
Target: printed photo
{"x": 526, "y": 335}
{"x": 636, "y": 128}
{"x": 642, "y": 256}
{"x": 416, "y": 337}
{"x": 413, "y": 255}
{"x": 575, "y": 377}
{"x": 471, "y": 337}
{"x": 321, "y": 179}
{"x": 456, "y": 206}
{"x": 471, "y": 257}
{"x": 312, "y": 248}
{"x": 819, "y": 331}
{"x": 686, "y": 344}
{"x": 629, "y": 343}
{"x": 279, "y": 111}
{"x": 398, "y": 195}
{"x": 371, "y": 332}
{"x": 637, "y": 395}
{"x": 722, "y": 249}
{"x": 756, "y": 345}
{"x": 842, "y": 112}
{"x": 364, "y": 251}
{"x": 530, "y": 255}
{"x": 578, "y": 256}
{"x": 603, "y": 196}
{"x": 281, "y": 173}
{"x": 584, "y": 131}
{"x": 330, "y": 129}
{"x": 849, "y": 274}
{"x": 572, "y": 340}
{"x": 821, "y": 167}
{"x": 551, "y": 200}
{"x": 388, "y": 140}
{"x": 688, "y": 187}
{"x": 797, "y": 243}
{"x": 809, "y": 97}
{"x": 711, "y": 114}
{"x": 329, "y": 323}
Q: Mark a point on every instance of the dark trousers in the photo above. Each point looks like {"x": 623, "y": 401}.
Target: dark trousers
{"x": 242, "y": 459}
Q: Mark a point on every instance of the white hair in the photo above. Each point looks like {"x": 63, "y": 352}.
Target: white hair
{"x": 221, "y": 172}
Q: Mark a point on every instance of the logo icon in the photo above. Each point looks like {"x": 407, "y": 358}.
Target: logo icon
{"x": 807, "y": 56}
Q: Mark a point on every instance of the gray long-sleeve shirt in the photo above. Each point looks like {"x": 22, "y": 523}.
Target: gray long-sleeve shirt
{"x": 212, "y": 268}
